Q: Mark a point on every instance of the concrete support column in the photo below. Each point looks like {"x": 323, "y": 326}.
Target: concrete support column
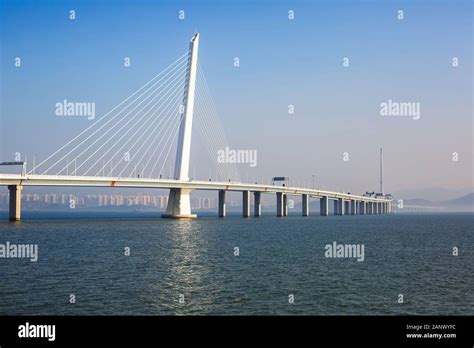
{"x": 245, "y": 203}
{"x": 285, "y": 205}
{"x": 336, "y": 207}
{"x": 347, "y": 207}
{"x": 15, "y": 202}
{"x": 179, "y": 205}
{"x": 340, "y": 206}
{"x": 362, "y": 208}
{"x": 305, "y": 203}
{"x": 376, "y": 208}
{"x": 324, "y": 206}
{"x": 222, "y": 209}
{"x": 257, "y": 200}
{"x": 369, "y": 208}
{"x": 279, "y": 204}
{"x": 353, "y": 207}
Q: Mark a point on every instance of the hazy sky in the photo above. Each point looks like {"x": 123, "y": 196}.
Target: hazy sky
{"x": 282, "y": 62}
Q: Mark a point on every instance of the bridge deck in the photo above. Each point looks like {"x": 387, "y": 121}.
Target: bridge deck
{"x": 95, "y": 181}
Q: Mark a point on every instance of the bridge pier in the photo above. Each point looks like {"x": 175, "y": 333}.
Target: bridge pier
{"x": 179, "y": 205}
{"x": 324, "y": 206}
{"x": 347, "y": 207}
{"x": 257, "y": 199}
{"x": 340, "y": 206}
{"x": 305, "y": 204}
{"x": 282, "y": 207}
{"x": 222, "y": 209}
{"x": 245, "y": 204}
{"x": 279, "y": 204}
{"x": 15, "y": 202}
{"x": 353, "y": 207}
{"x": 376, "y": 208}
{"x": 362, "y": 206}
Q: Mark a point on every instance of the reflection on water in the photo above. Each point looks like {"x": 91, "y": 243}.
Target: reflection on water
{"x": 278, "y": 257}
{"x": 187, "y": 264}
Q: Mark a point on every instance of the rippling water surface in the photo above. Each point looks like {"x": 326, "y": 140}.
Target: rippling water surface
{"x": 83, "y": 254}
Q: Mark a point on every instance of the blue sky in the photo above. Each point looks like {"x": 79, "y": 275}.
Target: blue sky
{"x": 283, "y": 62}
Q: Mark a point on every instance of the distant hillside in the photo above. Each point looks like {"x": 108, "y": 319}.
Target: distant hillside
{"x": 419, "y": 201}
{"x": 460, "y": 204}
{"x": 461, "y": 201}
{"x": 435, "y": 194}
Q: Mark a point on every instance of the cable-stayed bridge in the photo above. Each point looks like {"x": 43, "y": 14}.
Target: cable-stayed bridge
{"x": 133, "y": 144}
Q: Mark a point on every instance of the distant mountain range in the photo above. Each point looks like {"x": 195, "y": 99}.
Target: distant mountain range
{"x": 435, "y": 194}
{"x": 461, "y": 204}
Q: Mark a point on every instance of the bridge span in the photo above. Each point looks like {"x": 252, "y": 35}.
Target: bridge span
{"x": 344, "y": 203}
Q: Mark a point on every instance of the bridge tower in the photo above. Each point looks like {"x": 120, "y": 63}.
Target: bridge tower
{"x": 179, "y": 204}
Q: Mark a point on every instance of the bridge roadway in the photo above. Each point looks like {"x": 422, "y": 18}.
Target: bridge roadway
{"x": 343, "y": 202}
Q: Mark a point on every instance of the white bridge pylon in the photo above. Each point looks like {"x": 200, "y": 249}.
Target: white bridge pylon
{"x": 179, "y": 203}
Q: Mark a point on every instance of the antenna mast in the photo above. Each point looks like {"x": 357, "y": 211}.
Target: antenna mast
{"x": 381, "y": 171}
